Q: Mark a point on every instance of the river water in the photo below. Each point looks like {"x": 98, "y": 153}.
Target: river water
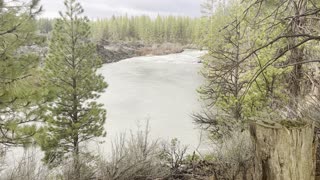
{"x": 161, "y": 89}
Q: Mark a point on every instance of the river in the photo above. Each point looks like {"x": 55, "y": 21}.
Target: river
{"x": 161, "y": 89}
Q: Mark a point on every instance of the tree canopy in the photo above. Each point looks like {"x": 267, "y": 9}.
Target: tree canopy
{"x": 18, "y": 72}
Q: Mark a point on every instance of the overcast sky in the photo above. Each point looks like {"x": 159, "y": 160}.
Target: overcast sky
{"x": 106, "y": 8}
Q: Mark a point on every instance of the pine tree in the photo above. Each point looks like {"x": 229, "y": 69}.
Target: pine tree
{"x": 229, "y": 36}
{"x": 72, "y": 117}
{"x": 223, "y": 72}
{"x": 18, "y": 72}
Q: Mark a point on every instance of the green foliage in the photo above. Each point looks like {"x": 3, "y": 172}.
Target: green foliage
{"x": 72, "y": 116}
{"x": 184, "y": 30}
{"x": 192, "y": 158}
{"x": 142, "y": 28}
{"x": 238, "y": 83}
{"x": 223, "y": 71}
{"x": 18, "y": 73}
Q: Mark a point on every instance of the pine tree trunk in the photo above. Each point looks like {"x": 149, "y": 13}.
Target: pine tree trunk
{"x": 284, "y": 154}
{"x": 76, "y": 160}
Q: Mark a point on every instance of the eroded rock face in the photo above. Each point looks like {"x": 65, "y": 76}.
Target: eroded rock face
{"x": 283, "y": 153}
{"x": 115, "y": 51}
{"x": 111, "y": 52}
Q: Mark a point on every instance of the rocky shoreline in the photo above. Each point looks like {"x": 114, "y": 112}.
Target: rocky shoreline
{"x": 115, "y": 51}
{"x": 111, "y": 52}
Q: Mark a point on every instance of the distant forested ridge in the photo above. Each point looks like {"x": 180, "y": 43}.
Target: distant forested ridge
{"x": 173, "y": 29}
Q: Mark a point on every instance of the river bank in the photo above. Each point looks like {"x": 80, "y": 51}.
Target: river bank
{"x": 111, "y": 52}
{"x": 115, "y": 51}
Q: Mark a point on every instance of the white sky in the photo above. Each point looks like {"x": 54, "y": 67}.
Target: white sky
{"x": 106, "y": 8}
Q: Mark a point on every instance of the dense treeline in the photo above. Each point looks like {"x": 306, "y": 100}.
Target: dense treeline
{"x": 45, "y": 25}
{"x": 161, "y": 29}
{"x": 184, "y": 30}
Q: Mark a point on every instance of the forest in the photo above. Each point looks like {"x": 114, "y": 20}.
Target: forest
{"x": 174, "y": 29}
{"x": 260, "y": 93}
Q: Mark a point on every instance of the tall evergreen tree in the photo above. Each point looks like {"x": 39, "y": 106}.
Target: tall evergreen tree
{"x": 72, "y": 117}
{"x": 17, "y": 71}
